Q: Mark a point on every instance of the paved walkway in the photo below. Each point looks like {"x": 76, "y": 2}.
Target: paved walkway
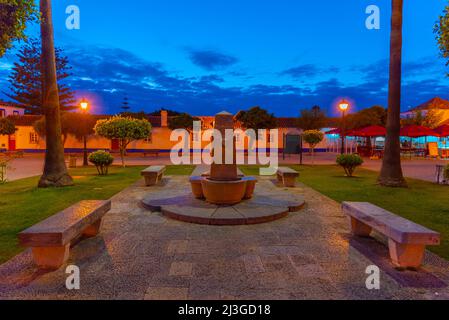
{"x": 143, "y": 255}
{"x": 32, "y": 165}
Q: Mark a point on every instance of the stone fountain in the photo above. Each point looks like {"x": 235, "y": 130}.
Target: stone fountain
{"x": 223, "y": 185}
{"x": 220, "y": 194}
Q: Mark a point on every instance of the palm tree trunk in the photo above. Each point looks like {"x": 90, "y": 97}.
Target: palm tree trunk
{"x": 391, "y": 172}
{"x": 55, "y": 171}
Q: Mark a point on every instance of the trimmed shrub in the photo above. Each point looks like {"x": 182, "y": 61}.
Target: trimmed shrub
{"x": 102, "y": 160}
{"x": 349, "y": 162}
{"x": 313, "y": 138}
{"x": 125, "y": 130}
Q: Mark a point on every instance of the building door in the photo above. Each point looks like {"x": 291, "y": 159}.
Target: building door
{"x": 12, "y": 142}
{"x": 115, "y": 145}
{"x": 292, "y": 144}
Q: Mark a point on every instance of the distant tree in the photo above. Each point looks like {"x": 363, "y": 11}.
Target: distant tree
{"x": 171, "y": 113}
{"x": 257, "y": 118}
{"x": 182, "y": 121}
{"x": 7, "y": 127}
{"x": 14, "y": 15}
{"x": 374, "y": 116}
{"x": 136, "y": 115}
{"x": 314, "y": 119}
{"x": 125, "y": 130}
{"x": 312, "y": 138}
{"x": 26, "y": 79}
{"x": 431, "y": 119}
{"x": 76, "y": 124}
{"x": 441, "y": 31}
{"x": 125, "y": 104}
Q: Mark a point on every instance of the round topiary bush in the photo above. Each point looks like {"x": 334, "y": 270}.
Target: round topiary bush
{"x": 102, "y": 160}
{"x": 349, "y": 162}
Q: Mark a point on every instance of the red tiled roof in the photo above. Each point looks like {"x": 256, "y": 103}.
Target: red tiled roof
{"x": 9, "y": 104}
{"x": 24, "y": 121}
{"x": 435, "y": 103}
{"x": 287, "y": 122}
{"x": 29, "y": 120}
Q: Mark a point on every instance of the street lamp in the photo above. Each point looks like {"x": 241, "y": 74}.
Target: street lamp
{"x": 84, "y": 108}
{"x": 344, "y": 106}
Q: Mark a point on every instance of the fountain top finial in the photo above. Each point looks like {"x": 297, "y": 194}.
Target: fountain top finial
{"x": 224, "y": 113}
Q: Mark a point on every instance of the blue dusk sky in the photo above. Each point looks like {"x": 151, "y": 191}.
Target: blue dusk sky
{"x": 202, "y": 56}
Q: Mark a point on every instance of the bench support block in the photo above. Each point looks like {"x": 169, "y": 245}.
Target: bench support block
{"x": 288, "y": 181}
{"x": 51, "y": 257}
{"x": 359, "y": 228}
{"x": 152, "y": 179}
{"x": 406, "y": 255}
{"x": 92, "y": 230}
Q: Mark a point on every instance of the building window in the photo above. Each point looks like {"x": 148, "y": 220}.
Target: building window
{"x": 2, "y": 113}
{"x": 16, "y": 113}
{"x": 34, "y": 138}
{"x": 149, "y": 139}
{"x": 237, "y": 137}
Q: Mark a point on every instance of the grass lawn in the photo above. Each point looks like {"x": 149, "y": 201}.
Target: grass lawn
{"x": 423, "y": 202}
{"x": 22, "y": 204}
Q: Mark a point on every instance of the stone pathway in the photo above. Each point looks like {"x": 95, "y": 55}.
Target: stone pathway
{"x": 142, "y": 255}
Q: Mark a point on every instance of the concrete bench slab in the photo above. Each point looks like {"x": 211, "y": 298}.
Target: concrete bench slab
{"x": 50, "y": 239}
{"x": 407, "y": 240}
{"x": 153, "y": 175}
{"x": 287, "y": 177}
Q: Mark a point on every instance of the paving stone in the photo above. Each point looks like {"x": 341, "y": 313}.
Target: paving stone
{"x": 177, "y": 247}
{"x": 140, "y": 254}
{"x": 181, "y": 269}
{"x": 166, "y": 293}
{"x": 253, "y": 264}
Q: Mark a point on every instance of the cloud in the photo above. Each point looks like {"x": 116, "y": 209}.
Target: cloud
{"x": 110, "y": 74}
{"x": 308, "y": 70}
{"x": 211, "y": 60}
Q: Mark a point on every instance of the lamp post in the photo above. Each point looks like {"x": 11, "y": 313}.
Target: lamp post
{"x": 344, "y": 106}
{"x": 84, "y": 108}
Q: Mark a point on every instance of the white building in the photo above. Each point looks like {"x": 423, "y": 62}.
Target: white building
{"x": 8, "y": 109}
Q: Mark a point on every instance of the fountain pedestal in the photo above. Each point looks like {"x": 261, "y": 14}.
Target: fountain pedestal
{"x": 224, "y": 186}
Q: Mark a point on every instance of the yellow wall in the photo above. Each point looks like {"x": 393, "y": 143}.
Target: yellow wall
{"x": 4, "y": 142}
{"x": 160, "y": 141}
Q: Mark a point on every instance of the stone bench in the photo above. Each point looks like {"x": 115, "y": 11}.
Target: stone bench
{"x": 406, "y": 240}
{"x": 287, "y": 176}
{"x": 153, "y": 175}
{"x": 51, "y": 239}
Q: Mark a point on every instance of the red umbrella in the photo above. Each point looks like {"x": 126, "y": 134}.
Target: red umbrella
{"x": 338, "y": 131}
{"x": 371, "y": 131}
{"x": 414, "y": 131}
{"x": 443, "y": 131}
{"x": 334, "y": 131}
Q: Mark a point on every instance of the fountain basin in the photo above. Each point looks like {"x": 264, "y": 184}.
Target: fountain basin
{"x": 223, "y": 192}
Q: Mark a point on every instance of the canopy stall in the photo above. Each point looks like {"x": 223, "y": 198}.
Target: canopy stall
{"x": 443, "y": 132}
{"x": 415, "y": 131}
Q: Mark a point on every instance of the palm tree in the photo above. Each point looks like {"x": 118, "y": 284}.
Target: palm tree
{"x": 55, "y": 171}
{"x": 391, "y": 172}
